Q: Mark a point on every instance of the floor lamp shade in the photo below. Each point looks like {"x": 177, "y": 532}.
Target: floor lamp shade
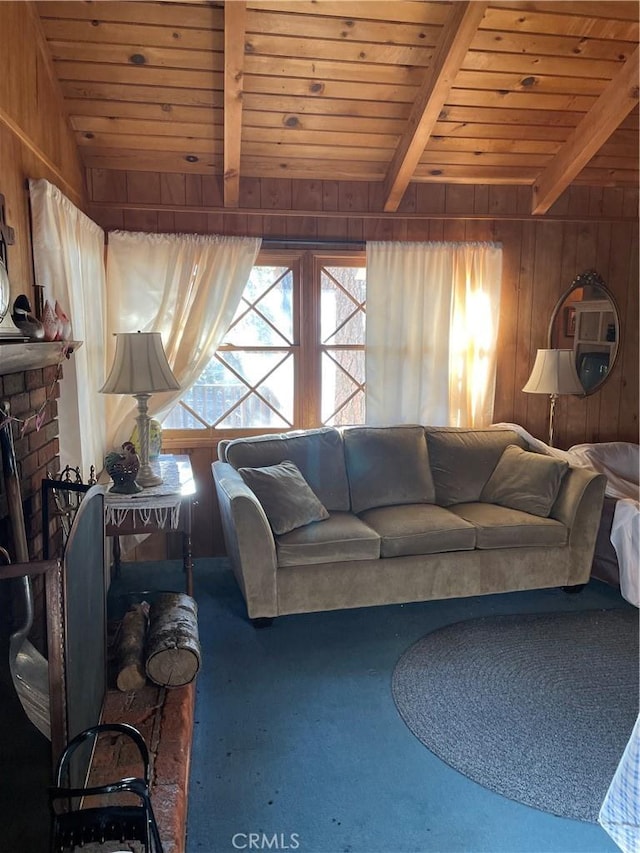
{"x": 140, "y": 368}
{"x": 554, "y": 373}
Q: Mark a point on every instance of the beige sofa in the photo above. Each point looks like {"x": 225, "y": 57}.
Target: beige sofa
{"x": 405, "y": 513}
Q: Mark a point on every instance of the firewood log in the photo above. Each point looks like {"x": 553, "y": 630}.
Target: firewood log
{"x": 131, "y": 672}
{"x": 173, "y": 646}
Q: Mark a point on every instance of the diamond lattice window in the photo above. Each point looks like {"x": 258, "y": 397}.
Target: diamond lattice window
{"x": 293, "y": 355}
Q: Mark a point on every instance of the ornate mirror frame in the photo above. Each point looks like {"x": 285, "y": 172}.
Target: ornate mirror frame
{"x": 586, "y": 319}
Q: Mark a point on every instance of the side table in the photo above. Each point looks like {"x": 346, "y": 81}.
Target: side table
{"x": 161, "y": 508}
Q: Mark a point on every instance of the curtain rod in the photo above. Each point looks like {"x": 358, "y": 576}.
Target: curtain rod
{"x": 268, "y": 241}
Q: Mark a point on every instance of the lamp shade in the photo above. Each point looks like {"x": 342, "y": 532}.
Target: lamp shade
{"x": 140, "y": 366}
{"x": 554, "y": 372}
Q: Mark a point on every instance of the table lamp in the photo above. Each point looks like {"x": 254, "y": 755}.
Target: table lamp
{"x": 554, "y": 373}
{"x": 140, "y": 368}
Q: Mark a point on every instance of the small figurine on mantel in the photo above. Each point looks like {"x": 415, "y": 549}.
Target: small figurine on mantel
{"x": 123, "y": 467}
{"x": 25, "y": 319}
{"x": 64, "y": 323}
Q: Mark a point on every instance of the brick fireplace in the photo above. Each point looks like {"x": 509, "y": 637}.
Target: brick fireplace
{"x": 29, "y": 383}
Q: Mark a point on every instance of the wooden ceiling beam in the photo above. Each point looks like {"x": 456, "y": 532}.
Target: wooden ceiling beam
{"x": 611, "y": 108}
{"x": 235, "y": 23}
{"x": 453, "y": 44}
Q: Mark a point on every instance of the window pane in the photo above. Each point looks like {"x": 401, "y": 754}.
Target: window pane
{"x": 265, "y": 313}
{"x": 253, "y": 412}
{"x": 253, "y": 330}
{"x": 252, "y": 366}
{"x": 342, "y": 318}
{"x": 180, "y": 418}
{"x": 271, "y": 405}
{"x": 352, "y": 413}
{"x": 352, "y": 279}
{"x": 351, "y": 332}
{"x": 342, "y": 324}
{"x": 277, "y": 307}
{"x": 223, "y": 399}
{"x": 342, "y": 381}
{"x": 214, "y": 393}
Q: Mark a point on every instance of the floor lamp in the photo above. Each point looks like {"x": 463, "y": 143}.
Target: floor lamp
{"x": 554, "y": 373}
{"x": 140, "y": 368}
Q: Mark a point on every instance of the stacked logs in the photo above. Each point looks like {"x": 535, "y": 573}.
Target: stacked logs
{"x": 159, "y": 642}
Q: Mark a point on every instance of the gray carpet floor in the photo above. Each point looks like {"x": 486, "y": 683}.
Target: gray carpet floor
{"x": 537, "y": 707}
{"x": 297, "y": 734}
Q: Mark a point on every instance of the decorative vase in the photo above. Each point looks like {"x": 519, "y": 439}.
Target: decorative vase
{"x": 155, "y": 438}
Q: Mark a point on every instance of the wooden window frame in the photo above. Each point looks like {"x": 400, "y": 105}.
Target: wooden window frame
{"x": 306, "y": 265}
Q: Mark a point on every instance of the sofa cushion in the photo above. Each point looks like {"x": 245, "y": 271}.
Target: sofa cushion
{"x": 286, "y": 498}
{"x": 419, "y": 529}
{"x": 501, "y": 527}
{"x": 525, "y": 480}
{"x": 387, "y": 466}
{"x": 318, "y": 453}
{"x": 341, "y": 539}
{"x": 462, "y": 460}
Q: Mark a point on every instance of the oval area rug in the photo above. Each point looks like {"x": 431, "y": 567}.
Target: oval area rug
{"x": 538, "y": 708}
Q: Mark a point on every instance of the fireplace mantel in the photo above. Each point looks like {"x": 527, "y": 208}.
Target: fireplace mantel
{"x": 15, "y": 357}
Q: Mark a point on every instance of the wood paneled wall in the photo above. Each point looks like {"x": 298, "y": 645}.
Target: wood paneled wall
{"x": 588, "y": 228}
{"x": 541, "y": 261}
{"x": 35, "y": 138}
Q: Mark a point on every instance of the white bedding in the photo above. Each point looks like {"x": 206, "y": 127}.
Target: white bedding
{"x": 619, "y": 461}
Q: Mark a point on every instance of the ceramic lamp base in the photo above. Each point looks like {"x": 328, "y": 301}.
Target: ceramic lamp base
{"x": 147, "y": 478}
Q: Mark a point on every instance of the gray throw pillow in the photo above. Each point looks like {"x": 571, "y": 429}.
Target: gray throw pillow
{"x": 525, "y": 480}
{"x": 286, "y": 497}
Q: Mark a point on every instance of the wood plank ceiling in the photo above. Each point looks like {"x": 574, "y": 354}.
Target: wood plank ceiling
{"x": 531, "y": 93}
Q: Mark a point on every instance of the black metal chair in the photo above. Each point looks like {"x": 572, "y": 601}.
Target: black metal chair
{"x": 74, "y": 823}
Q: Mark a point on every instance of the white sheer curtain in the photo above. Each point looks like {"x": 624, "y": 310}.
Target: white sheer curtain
{"x": 68, "y": 255}
{"x": 432, "y": 326}
{"x": 187, "y": 287}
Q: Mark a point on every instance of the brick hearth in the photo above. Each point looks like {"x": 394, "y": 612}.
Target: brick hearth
{"x": 165, "y": 720}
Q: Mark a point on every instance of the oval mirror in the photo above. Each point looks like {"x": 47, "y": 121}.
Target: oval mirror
{"x": 586, "y": 320}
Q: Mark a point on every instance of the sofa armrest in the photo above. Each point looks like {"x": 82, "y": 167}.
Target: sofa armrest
{"x": 579, "y": 507}
{"x": 249, "y": 541}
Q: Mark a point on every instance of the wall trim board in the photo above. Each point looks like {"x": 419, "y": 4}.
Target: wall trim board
{"x": 355, "y": 214}
{"x": 54, "y": 170}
